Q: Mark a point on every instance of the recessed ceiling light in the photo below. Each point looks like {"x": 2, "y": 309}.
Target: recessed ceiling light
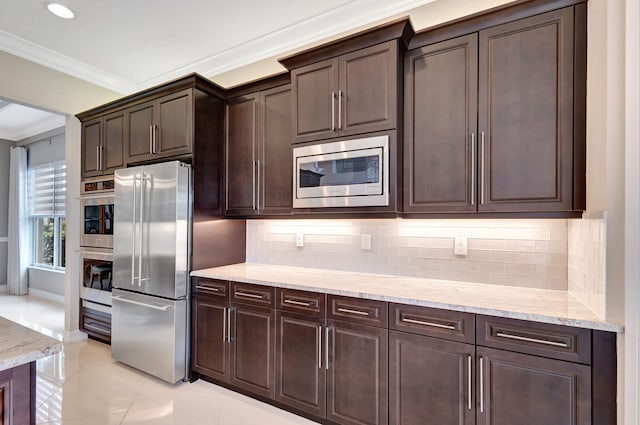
{"x": 60, "y": 10}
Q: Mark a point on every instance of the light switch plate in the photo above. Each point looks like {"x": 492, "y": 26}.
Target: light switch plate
{"x": 460, "y": 246}
{"x": 299, "y": 239}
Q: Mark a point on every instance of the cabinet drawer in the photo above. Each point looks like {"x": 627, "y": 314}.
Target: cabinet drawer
{"x": 540, "y": 339}
{"x": 213, "y": 287}
{"x": 246, "y": 293}
{"x": 453, "y": 325}
{"x": 300, "y": 301}
{"x": 358, "y": 310}
{"x": 96, "y": 324}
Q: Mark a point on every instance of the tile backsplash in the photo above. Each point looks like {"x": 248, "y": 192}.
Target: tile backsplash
{"x": 514, "y": 252}
{"x": 586, "y": 266}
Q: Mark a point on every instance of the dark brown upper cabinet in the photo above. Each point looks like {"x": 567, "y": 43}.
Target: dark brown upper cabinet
{"x": 494, "y": 120}
{"x": 161, "y": 128}
{"x": 258, "y": 153}
{"x": 348, "y": 87}
{"x": 103, "y": 145}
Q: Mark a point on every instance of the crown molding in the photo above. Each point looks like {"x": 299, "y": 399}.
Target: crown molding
{"x": 347, "y": 18}
{"x": 51, "y": 59}
{"x": 343, "y": 19}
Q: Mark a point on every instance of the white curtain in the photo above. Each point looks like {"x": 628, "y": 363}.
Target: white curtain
{"x": 18, "y": 258}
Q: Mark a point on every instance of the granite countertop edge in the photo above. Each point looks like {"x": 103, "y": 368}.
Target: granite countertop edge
{"x": 21, "y": 345}
{"x": 278, "y": 276}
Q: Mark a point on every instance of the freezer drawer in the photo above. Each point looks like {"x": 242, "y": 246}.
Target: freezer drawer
{"x": 150, "y": 334}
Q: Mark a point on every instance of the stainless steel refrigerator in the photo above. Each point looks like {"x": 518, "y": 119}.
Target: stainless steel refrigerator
{"x": 151, "y": 262}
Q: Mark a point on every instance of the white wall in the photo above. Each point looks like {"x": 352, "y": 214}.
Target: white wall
{"x": 5, "y": 147}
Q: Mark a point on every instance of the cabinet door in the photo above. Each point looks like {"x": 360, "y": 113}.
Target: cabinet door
{"x": 113, "y": 147}
{"x": 357, "y": 381}
{"x": 210, "y": 352}
{"x": 526, "y": 114}
{"x": 18, "y": 395}
{"x": 430, "y": 381}
{"x": 275, "y": 153}
{"x": 520, "y": 389}
{"x": 91, "y": 142}
{"x": 253, "y": 349}
{"x": 300, "y": 380}
{"x": 139, "y": 131}
{"x": 368, "y": 94}
{"x": 440, "y": 125}
{"x": 315, "y": 91}
{"x": 174, "y": 125}
{"x": 240, "y": 165}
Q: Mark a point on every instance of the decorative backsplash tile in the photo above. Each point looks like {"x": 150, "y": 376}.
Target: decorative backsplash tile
{"x": 587, "y": 261}
{"x": 528, "y": 253}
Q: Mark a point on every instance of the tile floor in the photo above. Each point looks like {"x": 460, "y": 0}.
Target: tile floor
{"x": 82, "y": 385}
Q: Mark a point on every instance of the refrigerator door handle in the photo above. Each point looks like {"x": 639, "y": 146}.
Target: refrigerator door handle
{"x": 141, "y": 222}
{"x": 155, "y": 307}
{"x": 133, "y": 238}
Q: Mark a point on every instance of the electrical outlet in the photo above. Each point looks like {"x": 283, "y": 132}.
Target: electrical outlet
{"x": 460, "y": 246}
{"x": 365, "y": 242}
{"x": 300, "y": 239}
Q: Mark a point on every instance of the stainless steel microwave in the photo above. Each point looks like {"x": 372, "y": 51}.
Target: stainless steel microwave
{"x": 348, "y": 173}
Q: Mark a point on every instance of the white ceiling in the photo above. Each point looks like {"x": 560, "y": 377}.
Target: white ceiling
{"x": 18, "y": 122}
{"x": 129, "y": 45}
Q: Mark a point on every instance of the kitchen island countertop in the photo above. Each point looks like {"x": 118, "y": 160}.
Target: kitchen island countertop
{"x": 538, "y": 305}
{"x": 20, "y": 345}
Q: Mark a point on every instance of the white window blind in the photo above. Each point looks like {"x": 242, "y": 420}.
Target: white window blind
{"x": 49, "y": 189}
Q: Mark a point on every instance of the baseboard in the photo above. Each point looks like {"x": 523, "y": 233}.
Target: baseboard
{"x": 74, "y": 336}
{"x": 46, "y": 295}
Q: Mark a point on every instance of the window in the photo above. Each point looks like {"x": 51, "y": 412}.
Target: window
{"x": 48, "y": 193}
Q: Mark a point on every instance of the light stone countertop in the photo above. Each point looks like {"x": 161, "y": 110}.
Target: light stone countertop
{"x": 20, "y": 345}
{"x": 538, "y": 305}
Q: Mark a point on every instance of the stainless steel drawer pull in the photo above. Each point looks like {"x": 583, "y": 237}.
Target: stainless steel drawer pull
{"x": 208, "y": 288}
{"x": 536, "y": 340}
{"x": 348, "y": 310}
{"x": 97, "y": 329}
{"x": 300, "y": 303}
{"x": 124, "y": 300}
{"x": 249, "y": 295}
{"x": 469, "y": 394}
{"x": 433, "y": 325}
{"x": 320, "y": 347}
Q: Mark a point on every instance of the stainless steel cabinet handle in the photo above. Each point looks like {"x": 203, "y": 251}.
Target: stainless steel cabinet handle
{"x": 229, "y": 324}
{"x": 154, "y": 145}
{"x": 333, "y": 111}
{"x": 481, "y": 385}
{"x": 433, "y": 325}
{"x": 348, "y": 310}
{"x": 536, "y": 340}
{"x": 326, "y": 348}
{"x": 469, "y": 393}
{"x": 473, "y": 168}
{"x": 249, "y": 295}
{"x": 482, "y": 168}
{"x": 300, "y": 303}
{"x": 224, "y": 324}
{"x": 97, "y": 329}
{"x": 102, "y": 167}
{"x": 151, "y": 138}
{"x": 319, "y": 346}
{"x": 339, "y": 109}
{"x": 155, "y": 307}
{"x": 98, "y": 158}
{"x": 208, "y": 288}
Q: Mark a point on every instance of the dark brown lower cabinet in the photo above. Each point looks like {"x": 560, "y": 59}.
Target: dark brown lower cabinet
{"x": 520, "y": 389}
{"x": 301, "y": 373}
{"x": 210, "y": 354}
{"x": 18, "y": 395}
{"x": 253, "y": 349}
{"x": 430, "y": 381}
{"x": 357, "y": 381}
